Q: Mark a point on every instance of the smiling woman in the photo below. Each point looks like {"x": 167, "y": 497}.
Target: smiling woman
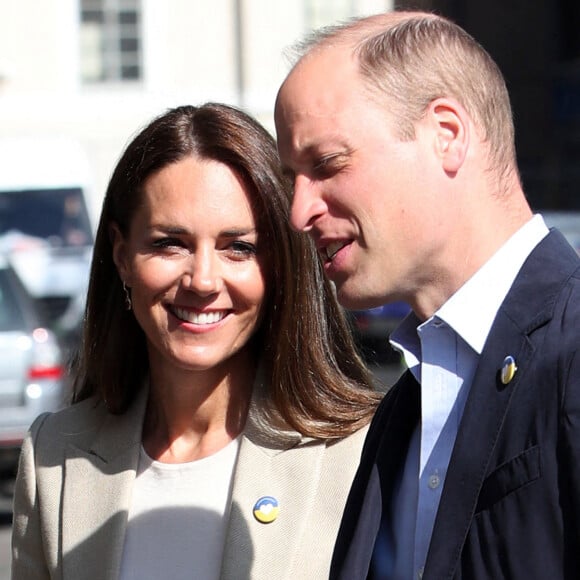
{"x": 192, "y": 264}
{"x": 219, "y": 402}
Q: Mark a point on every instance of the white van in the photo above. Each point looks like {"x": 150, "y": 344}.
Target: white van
{"x": 47, "y": 218}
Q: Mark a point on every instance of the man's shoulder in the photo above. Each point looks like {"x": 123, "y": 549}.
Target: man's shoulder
{"x": 556, "y": 253}
{"x": 548, "y": 277}
{"x": 556, "y": 275}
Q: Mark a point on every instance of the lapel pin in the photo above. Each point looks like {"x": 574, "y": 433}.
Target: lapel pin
{"x": 508, "y": 369}
{"x": 266, "y": 509}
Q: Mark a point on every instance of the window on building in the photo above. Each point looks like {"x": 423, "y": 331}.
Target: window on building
{"x": 324, "y": 12}
{"x": 111, "y": 47}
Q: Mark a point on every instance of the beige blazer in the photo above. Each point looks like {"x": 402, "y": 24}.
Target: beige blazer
{"x": 75, "y": 482}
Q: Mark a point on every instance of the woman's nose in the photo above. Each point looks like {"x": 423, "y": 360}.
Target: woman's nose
{"x": 203, "y": 274}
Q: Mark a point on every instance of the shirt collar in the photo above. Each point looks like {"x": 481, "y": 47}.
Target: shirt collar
{"x": 472, "y": 309}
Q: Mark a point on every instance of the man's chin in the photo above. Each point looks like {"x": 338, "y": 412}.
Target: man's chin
{"x": 355, "y": 298}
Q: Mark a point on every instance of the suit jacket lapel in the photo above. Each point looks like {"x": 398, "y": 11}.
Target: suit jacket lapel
{"x": 479, "y": 431}
{"x": 383, "y": 454}
{"x": 528, "y": 305}
{"x": 404, "y": 413}
{"x": 96, "y": 496}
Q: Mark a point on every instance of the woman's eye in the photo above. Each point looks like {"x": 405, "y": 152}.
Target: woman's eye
{"x": 167, "y": 243}
{"x": 243, "y": 248}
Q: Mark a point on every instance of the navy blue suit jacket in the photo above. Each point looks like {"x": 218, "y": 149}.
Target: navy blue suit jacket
{"x": 510, "y": 506}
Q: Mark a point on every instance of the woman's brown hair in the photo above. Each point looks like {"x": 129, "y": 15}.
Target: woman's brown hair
{"x": 317, "y": 382}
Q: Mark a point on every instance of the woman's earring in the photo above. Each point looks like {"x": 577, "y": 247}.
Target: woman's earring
{"x": 128, "y": 304}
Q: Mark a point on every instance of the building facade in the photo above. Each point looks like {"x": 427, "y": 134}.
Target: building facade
{"x": 98, "y": 70}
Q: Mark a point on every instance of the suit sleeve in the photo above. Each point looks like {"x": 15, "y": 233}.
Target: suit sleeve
{"x": 28, "y": 562}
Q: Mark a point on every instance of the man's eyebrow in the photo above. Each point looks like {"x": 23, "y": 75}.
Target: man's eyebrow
{"x": 302, "y": 154}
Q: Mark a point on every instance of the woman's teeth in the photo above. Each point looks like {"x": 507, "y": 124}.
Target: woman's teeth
{"x": 199, "y": 317}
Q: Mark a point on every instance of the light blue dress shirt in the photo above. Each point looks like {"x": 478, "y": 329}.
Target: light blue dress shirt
{"x": 442, "y": 353}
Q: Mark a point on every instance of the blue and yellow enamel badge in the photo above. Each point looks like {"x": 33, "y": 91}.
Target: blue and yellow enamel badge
{"x": 508, "y": 369}
{"x": 266, "y": 509}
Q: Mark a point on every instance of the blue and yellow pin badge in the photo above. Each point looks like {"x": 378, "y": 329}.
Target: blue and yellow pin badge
{"x": 266, "y": 509}
{"x": 508, "y": 369}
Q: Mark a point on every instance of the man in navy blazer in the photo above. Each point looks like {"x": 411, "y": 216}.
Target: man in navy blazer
{"x": 398, "y": 133}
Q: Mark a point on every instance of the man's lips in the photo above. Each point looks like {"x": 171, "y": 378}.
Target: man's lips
{"x": 331, "y": 249}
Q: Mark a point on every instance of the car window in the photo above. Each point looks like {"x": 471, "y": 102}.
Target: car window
{"x": 57, "y": 216}
{"x": 11, "y": 315}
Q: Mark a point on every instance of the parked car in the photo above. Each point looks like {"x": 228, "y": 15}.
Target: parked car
{"x": 32, "y": 373}
{"x": 47, "y": 218}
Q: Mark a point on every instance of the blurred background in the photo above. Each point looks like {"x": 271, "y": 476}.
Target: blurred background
{"x": 78, "y": 78}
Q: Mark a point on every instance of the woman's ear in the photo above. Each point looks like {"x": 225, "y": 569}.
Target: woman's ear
{"x": 452, "y": 126}
{"x": 120, "y": 253}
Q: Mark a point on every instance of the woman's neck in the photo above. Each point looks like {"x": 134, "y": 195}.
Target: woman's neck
{"x": 191, "y": 415}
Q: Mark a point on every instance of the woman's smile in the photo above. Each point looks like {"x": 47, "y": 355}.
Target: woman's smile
{"x": 199, "y": 318}
{"x": 193, "y": 263}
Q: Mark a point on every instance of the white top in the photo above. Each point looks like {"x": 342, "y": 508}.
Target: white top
{"x": 443, "y": 353}
{"x": 178, "y": 518}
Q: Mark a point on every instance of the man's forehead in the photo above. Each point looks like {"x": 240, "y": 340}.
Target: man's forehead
{"x": 323, "y": 65}
{"x": 315, "y": 92}
{"x": 303, "y": 124}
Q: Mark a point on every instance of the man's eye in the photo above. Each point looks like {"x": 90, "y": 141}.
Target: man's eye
{"x": 327, "y": 165}
{"x": 322, "y": 163}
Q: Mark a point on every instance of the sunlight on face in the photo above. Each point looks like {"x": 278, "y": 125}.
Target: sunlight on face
{"x": 362, "y": 193}
{"x": 193, "y": 262}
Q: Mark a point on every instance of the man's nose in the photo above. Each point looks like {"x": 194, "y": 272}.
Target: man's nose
{"x": 307, "y": 205}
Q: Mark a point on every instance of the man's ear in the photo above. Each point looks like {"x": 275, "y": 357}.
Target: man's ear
{"x": 452, "y": 127}
{"x": 120, "y": 253}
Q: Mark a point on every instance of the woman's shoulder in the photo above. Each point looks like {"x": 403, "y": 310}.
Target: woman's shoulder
{"x": 338, "y": 456}
{"x": 74, "y": 421}
{"x": 350, "y": 444}
{"x": 87, "y": 423}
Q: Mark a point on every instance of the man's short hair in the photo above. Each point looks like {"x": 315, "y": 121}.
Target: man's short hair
{"x": 408, "y": 59}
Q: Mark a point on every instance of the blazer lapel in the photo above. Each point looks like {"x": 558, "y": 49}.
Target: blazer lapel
{"x": 267, "y": 465}
{"x": 96, "y": 496}
{"x": 263, "y": 472}
{"x": 527, "y": 306}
